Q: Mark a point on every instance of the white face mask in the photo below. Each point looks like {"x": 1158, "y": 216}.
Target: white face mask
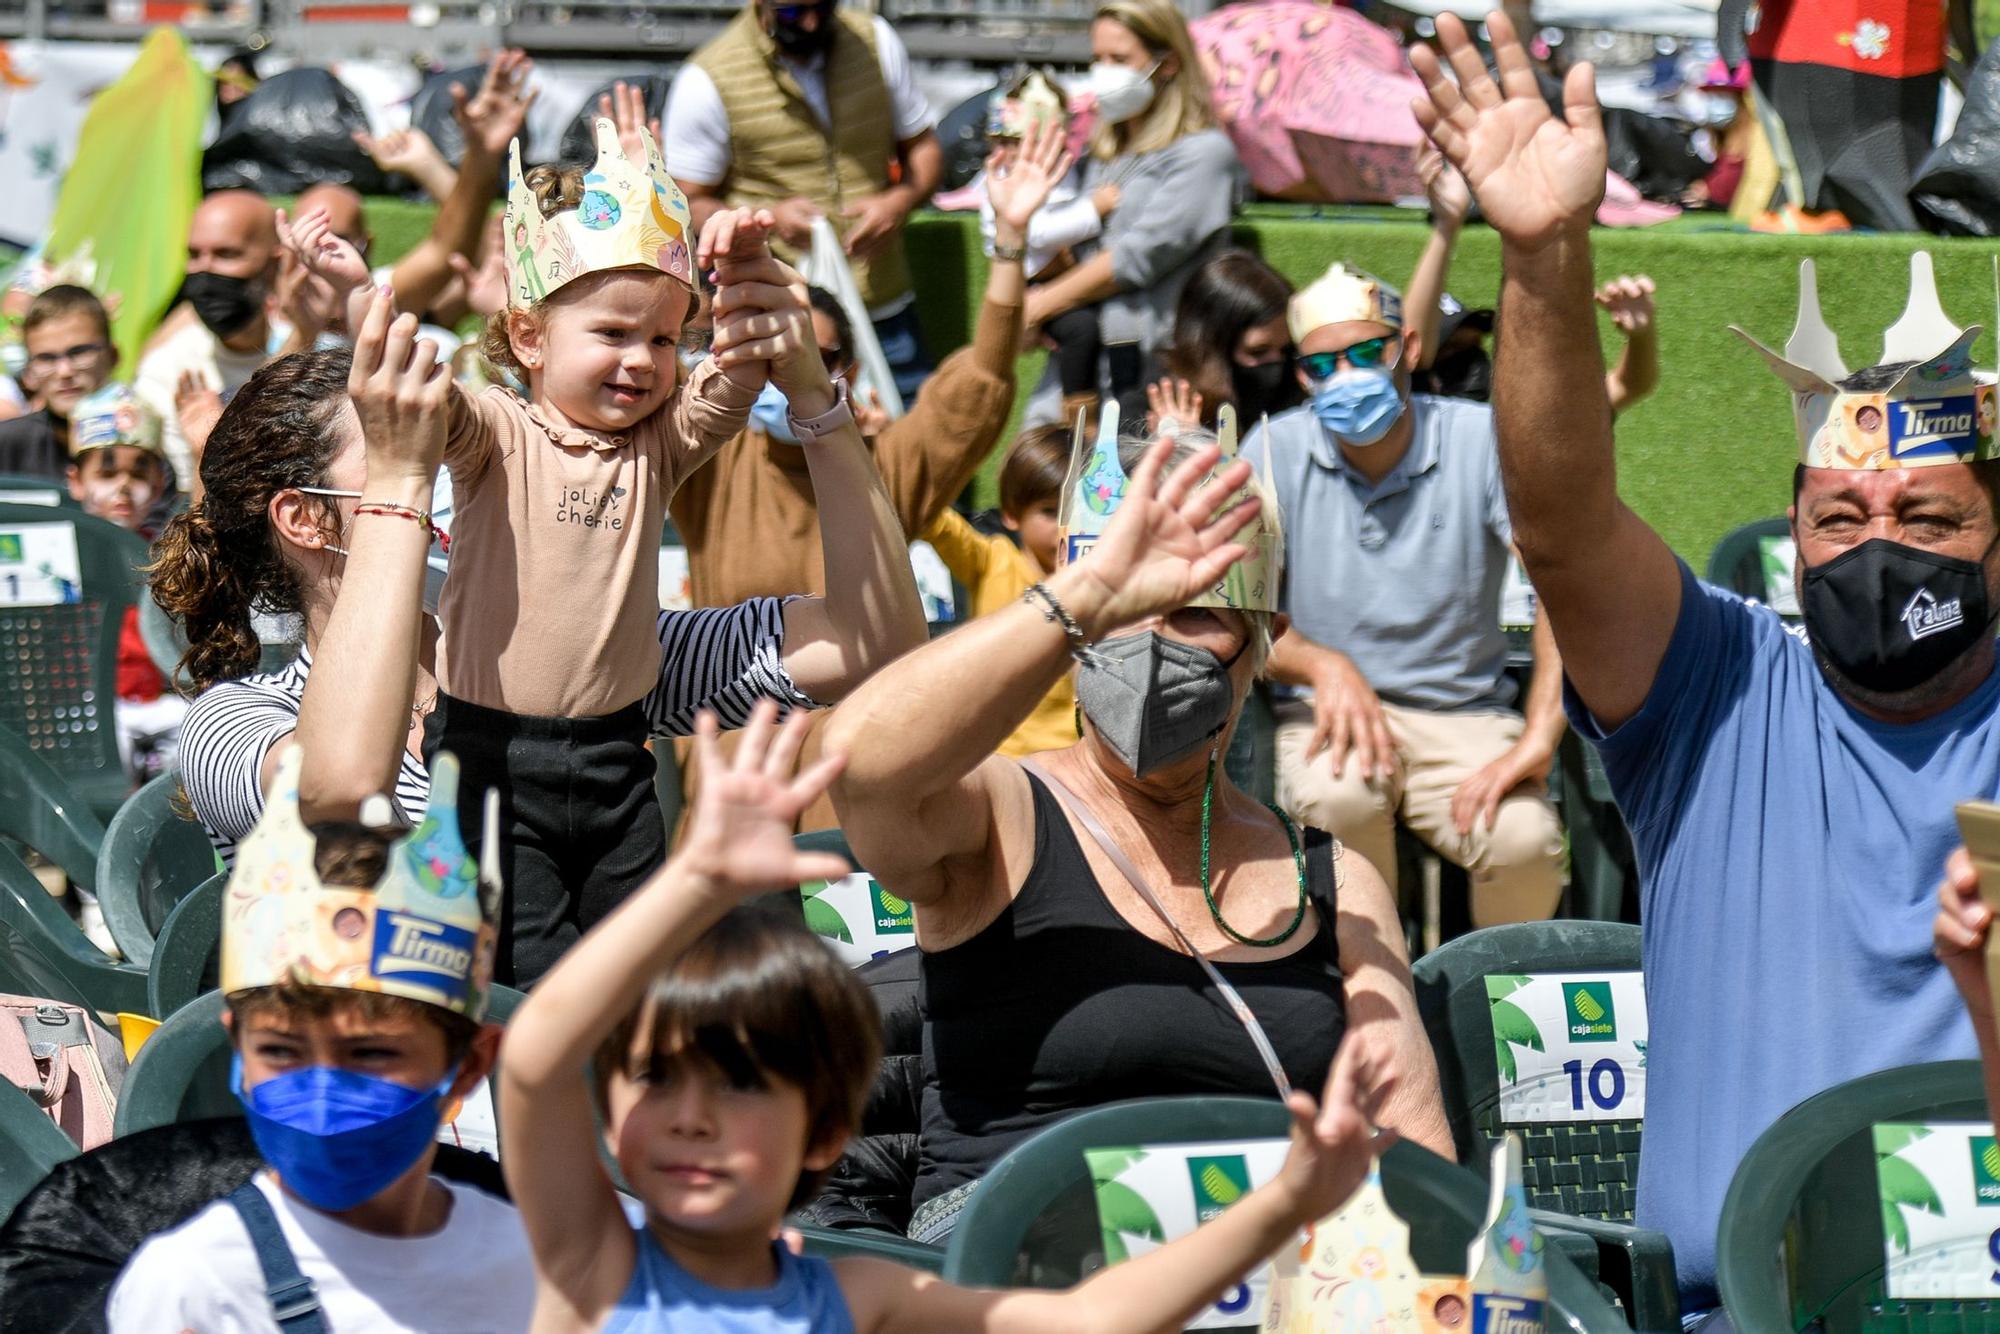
{"x": 1122, "y": 93}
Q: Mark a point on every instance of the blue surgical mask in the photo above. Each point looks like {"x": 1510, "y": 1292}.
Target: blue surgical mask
{"x": 1358, "y": 406}
{"x": 772, "y": 414}
{"x": 336, "y": 1137}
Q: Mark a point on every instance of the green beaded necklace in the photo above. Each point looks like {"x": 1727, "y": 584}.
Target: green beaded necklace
{"x": 1298, "y": 863}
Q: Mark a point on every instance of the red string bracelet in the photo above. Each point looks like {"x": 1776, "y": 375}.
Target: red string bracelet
{"x": 410, "y": 512}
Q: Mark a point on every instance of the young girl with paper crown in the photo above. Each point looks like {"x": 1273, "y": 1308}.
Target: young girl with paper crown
{"x": 549, "y": 643}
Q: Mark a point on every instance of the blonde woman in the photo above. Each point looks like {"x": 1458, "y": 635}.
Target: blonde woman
{"x": 1178, "y": 179}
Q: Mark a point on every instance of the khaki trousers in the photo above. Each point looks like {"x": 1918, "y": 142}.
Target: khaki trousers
{"x": 1515, "y": 867}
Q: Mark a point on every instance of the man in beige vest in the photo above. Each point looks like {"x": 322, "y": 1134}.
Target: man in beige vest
{"x": 809, "y": 110}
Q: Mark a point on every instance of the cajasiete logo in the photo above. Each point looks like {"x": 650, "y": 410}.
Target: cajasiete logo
{"x": 892, "y": 915}
{"x": 1588, "y": 1012}
{"x": 1218, "y": 1182}
{"x": 1985, "y": 1170}
{"x": 1926, "y": 616}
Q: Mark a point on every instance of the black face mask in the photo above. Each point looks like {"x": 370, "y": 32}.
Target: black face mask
{"x": 1889, "y": 617}
{"x": 1259, "y": 389}
{"x": 798, "y": 44}
{"x": 1464, "y": 374}
{"x": 225, "y": 305}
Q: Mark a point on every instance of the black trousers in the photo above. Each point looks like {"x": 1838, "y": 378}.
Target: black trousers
{"x": 580, "y": 823}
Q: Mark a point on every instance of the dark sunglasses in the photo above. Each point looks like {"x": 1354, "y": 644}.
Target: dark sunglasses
{"x": 834, "y": 359}
{"x": 1370, "y": 354}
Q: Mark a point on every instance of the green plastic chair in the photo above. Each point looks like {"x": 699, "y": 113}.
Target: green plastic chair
{"x": 1603, "y": 872}
{"x": 187, "y": 954}
{"x": 39, "y": 809}
{"x": 840, "y": 1243}
{"x": 1737, "y": 561}
{"x": 61, "y": 680}
{"x": 45, "y": 932}
{"x": 1033, "y": 1220}
{"x": 1800, "y": 1244}
{"x": 30, "y": 1144}
{"x": 182, "y": 1073}
{"x": 152, "y": 858}
{"x": 1580, "y": 1175}
{"x": 18, "y": 486}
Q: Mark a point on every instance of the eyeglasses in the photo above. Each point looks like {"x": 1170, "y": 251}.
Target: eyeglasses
{"x": 1368, "y": 355}
{"x": 75, "y": 356}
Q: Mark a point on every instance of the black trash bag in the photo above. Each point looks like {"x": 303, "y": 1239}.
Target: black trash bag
{"x": 296, "y": 130}
{"x": 1957, "y": 190}
{"x": 1654, "y": 153}
{"x": 579, "y": 141}
{"x": 430, "y": 110}
{"x": 963, "y": 134}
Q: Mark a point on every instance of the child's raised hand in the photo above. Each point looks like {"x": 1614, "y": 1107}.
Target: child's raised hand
{"x": 401, "y": 394}
{"x": 625, "y": 107}
{"x": 739, "y": 840}
{"x": 1334, "y": 1140}
{"x": 734, "y": 234}
{"x": 324, "y": 253}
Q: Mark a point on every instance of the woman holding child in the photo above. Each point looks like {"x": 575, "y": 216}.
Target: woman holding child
{"x": 1058, "y": 900}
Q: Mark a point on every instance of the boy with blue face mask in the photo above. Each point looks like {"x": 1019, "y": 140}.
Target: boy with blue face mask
{"x": 357, "y": 971}
{"x": 1393, "y": 698}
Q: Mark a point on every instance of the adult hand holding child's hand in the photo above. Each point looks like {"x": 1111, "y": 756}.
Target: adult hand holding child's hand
{"x": 761, "y": 313}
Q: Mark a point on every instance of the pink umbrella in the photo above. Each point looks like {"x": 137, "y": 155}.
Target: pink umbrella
{"x": 1316, "y": 98}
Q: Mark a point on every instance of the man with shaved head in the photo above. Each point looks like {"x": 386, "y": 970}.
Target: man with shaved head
{"x": 232, "y": 270}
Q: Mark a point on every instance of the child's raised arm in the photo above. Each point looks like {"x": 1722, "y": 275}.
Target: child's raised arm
{"x": 1332, "y": 1145}
{"x": 739, "y": 843}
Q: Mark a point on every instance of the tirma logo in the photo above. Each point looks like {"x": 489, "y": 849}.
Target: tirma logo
{"x": 1926, "y": 616}
{"x": 892, "y": 915}
{"x": 1588, "y": 1012}
{"x": 1218, "y": 1182}
{"x": 419, "y": 952}
{"x": 1494, "y": 1314}
{"x": 1985, "y": 1170}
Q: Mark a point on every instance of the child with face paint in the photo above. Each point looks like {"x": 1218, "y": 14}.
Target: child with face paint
{"x": 356, "y": 966}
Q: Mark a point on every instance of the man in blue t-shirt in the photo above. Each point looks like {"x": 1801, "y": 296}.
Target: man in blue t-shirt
{"x": 1791, "y": 803}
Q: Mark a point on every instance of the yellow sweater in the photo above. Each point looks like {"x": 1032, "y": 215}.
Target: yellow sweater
{"x": 997, "y": 572}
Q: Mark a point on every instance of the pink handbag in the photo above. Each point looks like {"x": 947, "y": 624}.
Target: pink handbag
{"x": 65, "y": 1061}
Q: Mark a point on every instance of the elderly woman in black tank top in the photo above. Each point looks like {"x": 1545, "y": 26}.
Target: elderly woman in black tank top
{"x": 1051, "y": 984}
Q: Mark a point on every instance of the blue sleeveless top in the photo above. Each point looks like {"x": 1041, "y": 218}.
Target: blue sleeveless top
{"x": 806, "y": 1299}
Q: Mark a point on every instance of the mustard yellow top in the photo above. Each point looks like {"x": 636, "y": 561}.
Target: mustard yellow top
{"x": 997, "y": 572}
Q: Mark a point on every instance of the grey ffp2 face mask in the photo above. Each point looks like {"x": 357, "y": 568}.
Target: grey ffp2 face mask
{"x": 1155, "y": 700}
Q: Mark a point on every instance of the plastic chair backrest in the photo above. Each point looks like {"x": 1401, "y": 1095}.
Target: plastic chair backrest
{"x": 1737, "y": 561}
{"x": 1584, "y": 1168}
{"x": 182, "y": 1073}
{"x": 187, "y": 954}
{"x": 30, "y": 1144}
{"x": 62, "y": 682}
{"x": 151, "y": 859}
{"x": 98, "y": 982}
{"x": 1033, "y": 1219}
{"x": 1801, "y": 1234}
{"x": 38, "y": 808}
{"x": 17, "y": 488}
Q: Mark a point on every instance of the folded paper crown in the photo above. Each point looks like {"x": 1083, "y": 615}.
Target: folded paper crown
{"x": 113, "y": 415}
{"x": 1096, "y": 487}
{"x": 1342, "y": 294}
{"x": 1033, "y": 98}
{"x": 426, "y": 931}
{"x": 632, "y": 216}
{"x": 1922, "y": 404}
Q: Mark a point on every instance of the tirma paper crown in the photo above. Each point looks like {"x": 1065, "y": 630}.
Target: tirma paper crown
{"x": 1921, "y": 405}
{"x": 632, "y": 216}
{"x": 113, "y": 415}
{"x": 1096, "y": 486}
{"x": 1341, "y": 295}
{"x": 426, "y": 931}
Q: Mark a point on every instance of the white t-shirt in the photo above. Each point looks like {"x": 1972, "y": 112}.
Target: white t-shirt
{"x": 190, "y": 348}
{"x": 697, "y": 128}
{"x": 473, "y": 1276}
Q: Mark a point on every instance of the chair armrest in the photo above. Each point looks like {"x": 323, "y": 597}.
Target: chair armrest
{"x": 831, "y": 1243}
{"x": 1636, "y": 1263}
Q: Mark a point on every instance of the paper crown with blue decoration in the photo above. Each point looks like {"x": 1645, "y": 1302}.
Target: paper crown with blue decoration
{"x": 113, "y": 415}
{"x": 427, "y": 931}
{"x": 632, "y": 216}
{"x": 1096, "y": 486}
{"x": 1922, "y": 404}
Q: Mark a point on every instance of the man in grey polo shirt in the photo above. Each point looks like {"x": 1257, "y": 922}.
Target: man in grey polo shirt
{"x": 1393, "y": 699}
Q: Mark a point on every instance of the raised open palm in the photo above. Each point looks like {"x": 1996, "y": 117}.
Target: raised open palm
{"x": 1019, "y": 183}
{"x": 1535, "y": 176}
{"x": 740, "y": 837}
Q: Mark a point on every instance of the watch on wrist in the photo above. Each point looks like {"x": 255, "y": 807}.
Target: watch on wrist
{"x": 811, "y": 430}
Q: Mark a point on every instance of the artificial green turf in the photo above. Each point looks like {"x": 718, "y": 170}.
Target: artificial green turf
{"x": 1712, "y": 449}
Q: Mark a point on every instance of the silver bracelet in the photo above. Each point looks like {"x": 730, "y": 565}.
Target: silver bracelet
{"x": 1054, "y": 612}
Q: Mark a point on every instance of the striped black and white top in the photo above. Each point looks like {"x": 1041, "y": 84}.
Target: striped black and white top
{"x": 719, "y": 658}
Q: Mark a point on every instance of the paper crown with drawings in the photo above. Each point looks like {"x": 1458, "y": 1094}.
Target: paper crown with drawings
{"x": 1034, "y": 97}
{"x": 1096, "y": 485}
{"x": 632, "y": 216}
{"x": 1341, "y": 295}
{"x": 1921, "y": 405}
{"x": 113, "y": 415}
{"x": 426, "y": 931}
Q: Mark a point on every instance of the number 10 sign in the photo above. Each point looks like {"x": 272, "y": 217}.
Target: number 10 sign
{"x": 1569, "y": 1046}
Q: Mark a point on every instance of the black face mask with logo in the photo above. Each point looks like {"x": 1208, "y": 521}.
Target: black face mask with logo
{"x": 799, "y": 44}
{"x": 1889, "y": 617}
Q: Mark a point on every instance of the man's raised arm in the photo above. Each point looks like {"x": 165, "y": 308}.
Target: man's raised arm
{"x": 1611, "y": 586}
